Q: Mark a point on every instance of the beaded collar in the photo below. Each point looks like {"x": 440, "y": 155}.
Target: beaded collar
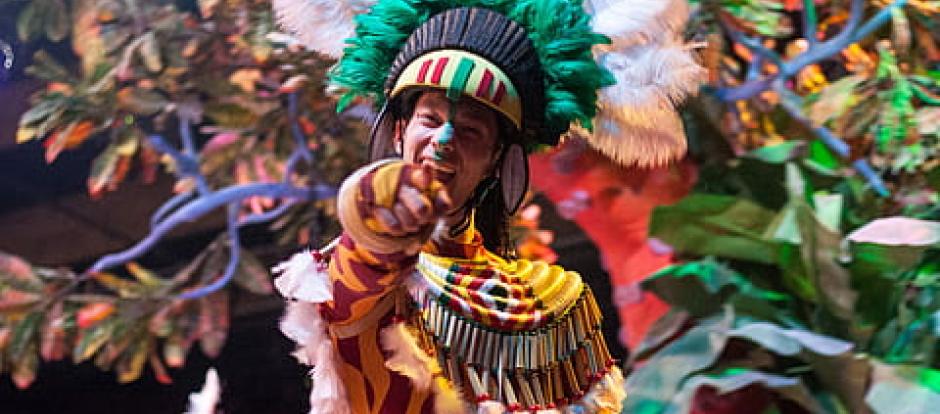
{"x": 525, "y": 334}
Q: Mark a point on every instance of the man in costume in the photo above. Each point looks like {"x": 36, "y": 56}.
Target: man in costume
{"x": 420, "y": 306}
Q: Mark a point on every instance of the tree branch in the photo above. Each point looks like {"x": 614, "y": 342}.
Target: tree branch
{"x": 203, "y": 205}
{"x": 817, "y": 52}
{"x": 793, "y": 104}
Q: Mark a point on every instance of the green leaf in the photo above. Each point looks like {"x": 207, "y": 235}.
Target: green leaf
{"x": 780, "y": 153}
{"x": 46, "y": 68}
{"x": 821, "y": 251}
{"x": 737, "y": 379}
{"x": 230, "y": 115}
{"x": 57, "y": 21}
{"x": 150, "y": 53}
{"x": 898, "y": 231}
{"x": 213, "y": 322}
{"x": 835, "y": 99}
{"x": 822, "y": 156}
{"x": 846, "y": 375}
{"x": 141, "y": 101}
{"x": 27, "y": 22}
{"x": 702, "y": 287}
{"x": 42, "y": 110}
{"x": 102, "y": 169}
{"x": 25, "y": 334}
{"x": 92, "y": 339}
{"x": 662, "y": 330}
{"x": 716, "y": 225}
{"x": 790, "y": 342}
{"x": 893, "y": 384}
{"x": 655, "y": 382}
{"x": 131, "y": 365}
{"x": 24, "y": 368}
{"x": 16, "y": 272}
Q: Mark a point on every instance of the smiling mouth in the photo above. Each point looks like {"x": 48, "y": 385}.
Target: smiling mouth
{"x": 442, "y": 172}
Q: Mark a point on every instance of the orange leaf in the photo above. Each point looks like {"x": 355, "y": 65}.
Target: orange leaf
{"x": 24, "y": 370}
{"x": 93, "y": 313}
{"x": 159, "y": 371}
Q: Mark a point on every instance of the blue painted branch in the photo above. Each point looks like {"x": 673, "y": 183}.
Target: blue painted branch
{"x": 871, "y": 176}
{"x": 186, "y": 166}
{"x": 753, "y": 69}
{"x": 851, "y": 33}
{"x": 234, "y": 257}
{"x": 300, "y": 141}
{"x": 267, "y": 215}
{"x": 186, "y": 135}
{"x": 189, "y": 150}
{"x": 878, "y": 20}
{"x": 205, "y": 204}
{"x": 169, "y": 206}
{"x": 793, "y": 104}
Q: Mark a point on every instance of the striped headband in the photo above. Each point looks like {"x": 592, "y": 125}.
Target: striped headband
{"x": 463, "y": 73}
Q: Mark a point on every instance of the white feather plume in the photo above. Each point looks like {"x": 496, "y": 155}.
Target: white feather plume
{"x": 655, "y": 71}
{"x": 321, "y": 25}
{"x": 637, "y": 21}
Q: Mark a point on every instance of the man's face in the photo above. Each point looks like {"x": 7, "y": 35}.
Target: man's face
{"x": 464, "y": 160}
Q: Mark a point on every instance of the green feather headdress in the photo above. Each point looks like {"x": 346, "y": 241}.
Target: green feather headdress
{"x": 559, "y": 31}
{"x": 615, "y": 73}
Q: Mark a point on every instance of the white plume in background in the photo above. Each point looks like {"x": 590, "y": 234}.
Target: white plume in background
{"x": 655, "y": 71}
{"x": 321, "y": 25}
{"x": 637, "y": 21}
{"x": 205, "y": 401}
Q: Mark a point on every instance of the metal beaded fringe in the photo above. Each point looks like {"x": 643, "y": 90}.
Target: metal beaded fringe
{"x": 548, "y": 367}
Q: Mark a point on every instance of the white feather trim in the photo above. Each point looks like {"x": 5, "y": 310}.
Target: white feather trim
{"x": 304, "y": 278}
{"x": 206, "y": 400}
{"x": 407, "y": 357}
{"x": 304, "y": 325}
{"x": 606, "y": 396}
{"x": 490, "y": 407}
{"x": 637, "y": 21}
{"x": 321, "y": 25}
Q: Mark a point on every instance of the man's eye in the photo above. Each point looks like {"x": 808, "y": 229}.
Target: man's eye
{"x": 430, "y": 120}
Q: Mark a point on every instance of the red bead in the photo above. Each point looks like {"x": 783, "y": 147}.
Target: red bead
{"x": 398, "y": 319}
{"x": 483, "y": 397}
{"x": 514, "y": 407}
{"x": 550, "y": 405}
{"x": 535, "y": 407}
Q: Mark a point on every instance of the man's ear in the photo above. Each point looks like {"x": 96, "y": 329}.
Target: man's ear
{"x": 397, "y": 139}
{"x": 514, "y": 177}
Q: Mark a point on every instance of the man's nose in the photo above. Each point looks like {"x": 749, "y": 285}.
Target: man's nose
{"x": 443, "y": 140}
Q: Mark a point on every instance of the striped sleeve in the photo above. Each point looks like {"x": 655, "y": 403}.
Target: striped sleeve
{"x": 361, "y": 278}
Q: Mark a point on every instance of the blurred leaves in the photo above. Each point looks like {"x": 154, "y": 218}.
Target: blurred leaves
{"x": 831, "y": 290}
